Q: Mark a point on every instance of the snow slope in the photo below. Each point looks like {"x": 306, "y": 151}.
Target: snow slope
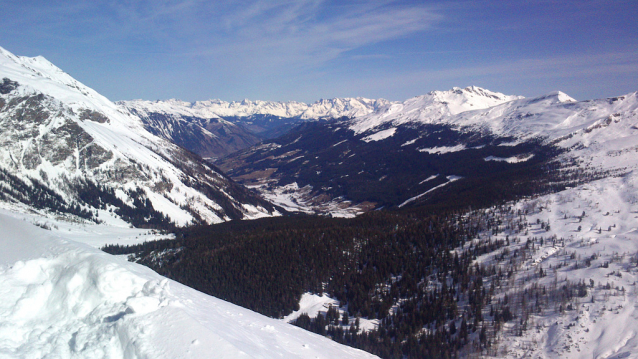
{"x": 595, "y": 240}
{"x": 56, "y": 130}
{"x": 64, "y": 299}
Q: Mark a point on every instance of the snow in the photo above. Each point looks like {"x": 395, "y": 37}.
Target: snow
{"x": 513, "y": 159}
{"x": 325, "y": 108}
{"x": 60, "y": 297}
{"x": 450, "y": 180}
{"x": 431, "y": 108}
{"x": 381, "y": 135}
{"x": 315, "y": 305}
{"x": 601, "y": 133}
{"x": 443, "y": 149}
{"x": 64, "y": 299}
{"x": 311, "y": 304}
{"x": 410, "y": 142}
{"x": 429, "y": 178}
{"x": 604, "y": 327}
{"x": 300, "y": 199}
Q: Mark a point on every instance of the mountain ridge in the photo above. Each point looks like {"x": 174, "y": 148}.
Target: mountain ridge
{"x": 215, "y": 108}
{"x": 72, "y": 140}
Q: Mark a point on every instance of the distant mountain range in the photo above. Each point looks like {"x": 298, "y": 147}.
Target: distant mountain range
{"x": 216, "y": 128}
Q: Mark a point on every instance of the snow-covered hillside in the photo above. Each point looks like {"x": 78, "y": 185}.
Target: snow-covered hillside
{"x": 202, "y": 132}
{"x": 602, "y": 133}
{"x": 65, "y": 299}
{"x": 585, "y": 237}
{"x": 433, "y": 107}
{"x": 83, "y": 151}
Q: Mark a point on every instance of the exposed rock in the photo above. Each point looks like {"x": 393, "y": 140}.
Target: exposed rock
{"x": 7, "y": 86}
{"x": 93, "y": 116}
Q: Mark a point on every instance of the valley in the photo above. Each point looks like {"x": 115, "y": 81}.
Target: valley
{"x": 459, "y": 223}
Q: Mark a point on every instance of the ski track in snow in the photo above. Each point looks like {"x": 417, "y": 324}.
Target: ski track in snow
{"x": 450, "y": 180}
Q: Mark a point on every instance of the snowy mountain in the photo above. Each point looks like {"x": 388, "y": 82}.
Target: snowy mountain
{"x": 65, "y": 148}
{"x": 324, "y": 108}
{"x": 64, "y": 299}
{"x": 216, "y": 128}
{"x": 513, "y": 231}
{"x": 543, "y": 191}
{"x": 433, "y": 107}
{"x": 412, "y": 149}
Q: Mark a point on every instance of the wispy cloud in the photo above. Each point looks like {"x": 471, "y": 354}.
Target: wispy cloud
{"x": 302, "y": 34}
{"x": 268, "y": 35}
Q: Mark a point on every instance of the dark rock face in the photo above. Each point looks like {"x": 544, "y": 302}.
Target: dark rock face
{"x": 93, "y": 116}
{"x": 210, "y": 138}
{"x": 7, "y": 86}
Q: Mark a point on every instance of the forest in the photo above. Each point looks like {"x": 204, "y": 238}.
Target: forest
{"x": 415, "y": 269}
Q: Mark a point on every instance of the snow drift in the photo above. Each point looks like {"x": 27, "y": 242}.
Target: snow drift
{"x": 64, "y": 299}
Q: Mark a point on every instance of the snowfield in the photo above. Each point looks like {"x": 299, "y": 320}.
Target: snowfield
{"x": 65, "y": 299}
{"x": 315, "y": 305}
{"x": 295, "y": 199}
{"x": 381, "y": 135}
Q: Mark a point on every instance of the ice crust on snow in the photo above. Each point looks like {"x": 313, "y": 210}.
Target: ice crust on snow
{"x": 64, "y": 299}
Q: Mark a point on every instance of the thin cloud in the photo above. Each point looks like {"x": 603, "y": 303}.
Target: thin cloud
{"x": 299, "y": 35}
{"x": 273, "y": 35}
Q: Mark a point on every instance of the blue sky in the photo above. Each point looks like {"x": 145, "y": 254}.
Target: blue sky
{"x": 305, "y": 50}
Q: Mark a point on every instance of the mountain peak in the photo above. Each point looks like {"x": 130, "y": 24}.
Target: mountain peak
{"x": 553, "y": 97}
{"x": 561, "y": 96}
